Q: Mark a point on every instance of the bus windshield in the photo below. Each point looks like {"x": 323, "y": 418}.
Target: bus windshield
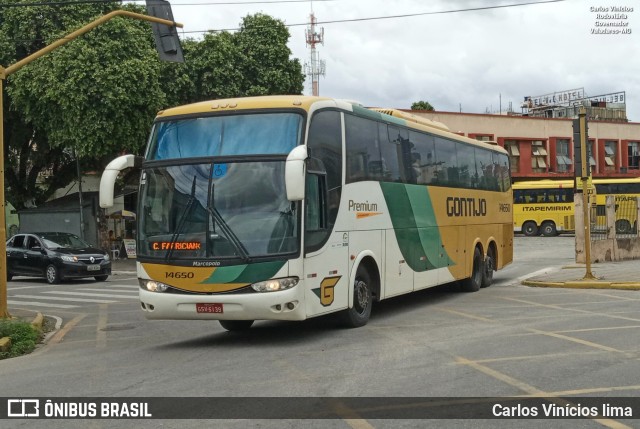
{"x": 231, "y": 211}
{"x": 249, "y": 134}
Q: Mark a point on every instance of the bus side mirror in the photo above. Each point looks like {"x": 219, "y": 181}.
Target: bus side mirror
{"x": 108, "y": 179}
{"x": 294, "y": 171}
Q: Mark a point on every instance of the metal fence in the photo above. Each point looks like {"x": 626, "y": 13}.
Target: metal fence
{"x": 621, "y": 222}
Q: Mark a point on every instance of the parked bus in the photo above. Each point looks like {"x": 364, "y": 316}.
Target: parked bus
{"x": 543, "y": 207}
{"x": 291, "y": 207}
{"x": 625, "y": 192}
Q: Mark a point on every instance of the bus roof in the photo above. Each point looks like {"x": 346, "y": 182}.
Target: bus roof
{"x": 306, "y": 102}
{"x": 543, "y": 184}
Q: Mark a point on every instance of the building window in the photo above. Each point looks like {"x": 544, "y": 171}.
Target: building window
{"x": 563, "y": 158}
{"x": 512, "y": 148}
{"x": 538, "y": 157}
{"x": 610, "y": 148}
{"x": 634, "y": 155}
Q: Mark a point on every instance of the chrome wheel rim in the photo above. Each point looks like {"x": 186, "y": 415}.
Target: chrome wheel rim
{"x": 361, "y": 294}
{"x": 51, "y": 274}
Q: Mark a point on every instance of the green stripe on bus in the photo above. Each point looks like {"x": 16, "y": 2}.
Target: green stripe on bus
{"x": 245, "y": 273}
{"x": 415, "y": 226}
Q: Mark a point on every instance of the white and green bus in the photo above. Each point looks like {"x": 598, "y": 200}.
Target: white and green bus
{"x": 291, "y": 207}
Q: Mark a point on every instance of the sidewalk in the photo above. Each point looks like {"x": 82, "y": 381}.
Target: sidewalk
{"x": 123, "y": 266}
{"x": 609, "y": 275}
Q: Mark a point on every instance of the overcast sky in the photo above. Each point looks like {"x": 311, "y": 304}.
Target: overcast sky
{"x": 475, "y": 61}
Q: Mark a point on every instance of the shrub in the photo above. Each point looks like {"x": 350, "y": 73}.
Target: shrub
{"x": 24, "y": 337}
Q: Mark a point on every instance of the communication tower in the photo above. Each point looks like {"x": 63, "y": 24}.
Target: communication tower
{"x": 316, "y": 67}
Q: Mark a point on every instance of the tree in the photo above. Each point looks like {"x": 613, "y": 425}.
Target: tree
{"x": 96, "y": 96}
{"x": 422, "y": 105}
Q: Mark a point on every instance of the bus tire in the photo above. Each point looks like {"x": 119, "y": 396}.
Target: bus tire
{"x": 236, "y": 325}
{"x": 623, "y": 226}
{"x": 548, "y": 229}
{"x": 489, "y": 267}
{"x": 359, "y": 314}
{"x": 473, "y": 283}
{"x": 530, "y": 229}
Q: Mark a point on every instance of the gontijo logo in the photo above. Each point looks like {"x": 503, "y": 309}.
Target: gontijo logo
{"x": 365, "y": 209}
{"x": 459, "y": 207}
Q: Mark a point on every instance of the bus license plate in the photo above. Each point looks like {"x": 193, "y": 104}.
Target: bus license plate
{"x": 93, "y": 267}
{"x": 209, "y": 308}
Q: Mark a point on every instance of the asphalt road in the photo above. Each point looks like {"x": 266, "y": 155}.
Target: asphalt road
{"x": 504, "y": 341}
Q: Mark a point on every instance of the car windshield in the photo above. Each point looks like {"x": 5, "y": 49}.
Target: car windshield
{"x": 231, "y": 210}
{"x": 65, "y": 241}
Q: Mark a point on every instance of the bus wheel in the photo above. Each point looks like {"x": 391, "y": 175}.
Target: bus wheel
{"x": 473, "y": 283}
{"x": 549, "y": 229}
{"x": 236, "y": 325}
{"x": 358, "y": 315}
{"x": 530, "y": 229}
{"x": 623, "y": 227}
{"x": 489, "y": 266}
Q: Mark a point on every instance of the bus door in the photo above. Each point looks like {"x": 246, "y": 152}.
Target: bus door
{"x": 326, "y": 262}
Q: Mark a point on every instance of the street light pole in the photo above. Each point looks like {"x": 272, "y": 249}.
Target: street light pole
{"x": 6, "y": 72}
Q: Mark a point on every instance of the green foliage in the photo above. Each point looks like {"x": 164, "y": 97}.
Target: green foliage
{"x": 23, "y": 337}
{"x": 422, "y": 105}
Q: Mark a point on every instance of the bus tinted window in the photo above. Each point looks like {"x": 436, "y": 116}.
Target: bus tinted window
{"x": 447, "y": 173}
{"x": 393, "y": 139}
{"x": 468, "y": 177}
{"x": 270, "y": 133}
{"x": 363, "y": 150}
{"x": 423, "y": 158}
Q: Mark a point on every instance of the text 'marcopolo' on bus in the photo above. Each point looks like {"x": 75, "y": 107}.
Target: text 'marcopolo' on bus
{"x": 291, "y": 207}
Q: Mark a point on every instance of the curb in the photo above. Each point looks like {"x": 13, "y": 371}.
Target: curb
{"x": 584, "y": 284}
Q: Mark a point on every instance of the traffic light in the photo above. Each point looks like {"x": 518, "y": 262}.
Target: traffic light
{"x": 581, "y": 147}
{"x": 167, "y": 41}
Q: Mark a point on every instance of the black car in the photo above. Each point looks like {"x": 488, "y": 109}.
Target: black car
{"x": 55, "y": 256}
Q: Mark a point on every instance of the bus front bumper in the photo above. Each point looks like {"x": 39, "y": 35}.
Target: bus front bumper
{"x": 282, "y": 305}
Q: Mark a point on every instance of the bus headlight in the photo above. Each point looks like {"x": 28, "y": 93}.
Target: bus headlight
{"x": 153, "y": 286}
{"x": 275, "y": 284}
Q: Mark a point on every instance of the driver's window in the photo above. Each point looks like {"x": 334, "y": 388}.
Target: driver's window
{"x": 316, "y": 230}
{"x": 32, "y": 242}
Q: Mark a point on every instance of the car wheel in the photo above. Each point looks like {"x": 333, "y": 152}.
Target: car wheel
{"x": 52, "y": 275}
{"x": 101, "y": 278}
{"x": 236, "y": 325}
{"x": 623, "y": 227}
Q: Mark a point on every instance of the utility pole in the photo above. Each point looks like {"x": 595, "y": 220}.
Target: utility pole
{"x": 316, "y": 67}
{"x": 582, "y": 165}
{"x": 170, "y": 49}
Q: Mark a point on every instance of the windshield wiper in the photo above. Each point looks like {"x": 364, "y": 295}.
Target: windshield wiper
{"x": 181, "y": 221}
{"x": 226, "y": 230}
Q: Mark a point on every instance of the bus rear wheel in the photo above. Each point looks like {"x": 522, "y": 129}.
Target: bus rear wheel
{"x": 549, "y": 229}
{"x": 623, "y": 227}
{"x": 236, "y": 325}
{"x": 530, "y": 229}
{"x": 473, "y": 283}
{"x": 489, "y": 267}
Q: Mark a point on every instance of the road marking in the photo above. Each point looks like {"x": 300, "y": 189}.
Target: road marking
{"x": 101, "y": 333}
{"x": 576, "y": 340}
{"x": 117, "y": 290}
{"x": 53, "y": 298}
{"x": 534, "y": 391}
{"x": 470, "y": 316}
{"x": 99, "y": 295}
{"x": 39, "y": 304}
{"x": 535, "y": 273}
